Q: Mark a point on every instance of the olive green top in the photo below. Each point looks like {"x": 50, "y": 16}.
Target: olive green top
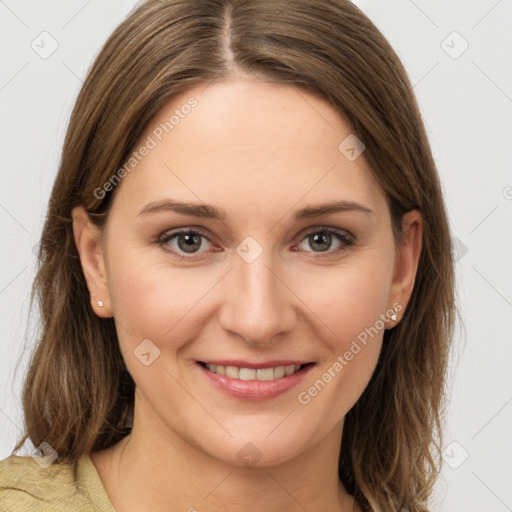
{"x": 27, "y": 486}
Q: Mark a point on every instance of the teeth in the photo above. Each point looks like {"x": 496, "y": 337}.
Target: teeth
{"x": 264, "y": 374}
{"x": 248, "y": 373}
{"x": 289, "y": 370}
{"x": 233, "y": 372}
{"x": 279, "y": 372}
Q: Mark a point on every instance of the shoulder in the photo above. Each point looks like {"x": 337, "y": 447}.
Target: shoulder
{"x": 25, "y": 485}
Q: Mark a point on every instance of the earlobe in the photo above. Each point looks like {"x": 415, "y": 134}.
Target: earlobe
{"x": 406, "y": 263}
{"x": 88, "y": 243}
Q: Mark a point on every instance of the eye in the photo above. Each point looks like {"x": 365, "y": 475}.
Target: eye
{"x": 184, "y": 242}
{"x": 322, "y": 238}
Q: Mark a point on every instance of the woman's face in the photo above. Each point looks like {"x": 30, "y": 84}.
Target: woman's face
{"x": 265, "y": 277}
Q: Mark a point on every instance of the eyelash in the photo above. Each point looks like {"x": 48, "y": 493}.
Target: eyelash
{"x": 343, "y": 236}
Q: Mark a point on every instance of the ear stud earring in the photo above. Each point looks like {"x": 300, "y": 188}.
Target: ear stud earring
{"x": 394, "y": 315}
{"x": 100, "y": 303}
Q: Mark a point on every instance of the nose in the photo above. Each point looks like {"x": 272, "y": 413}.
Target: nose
{"x": 259, "y": 305}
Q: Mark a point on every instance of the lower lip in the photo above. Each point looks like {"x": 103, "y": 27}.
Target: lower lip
{"x": 255, "y": 389}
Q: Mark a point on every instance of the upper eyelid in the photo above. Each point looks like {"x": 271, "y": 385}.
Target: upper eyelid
{"x": 184, "y": 231}
{"x": 319, "y": 229}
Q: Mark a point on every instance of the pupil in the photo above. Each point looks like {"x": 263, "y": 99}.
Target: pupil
{"x": 324, "y": 238}
{"x": 190, "y": 242}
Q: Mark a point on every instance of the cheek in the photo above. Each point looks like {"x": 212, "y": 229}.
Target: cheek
{"x": 152, "y": 300}
{"x": 349, "y": 298}
{"x": 153, "y": 312}
{"x": 350, "y": 304}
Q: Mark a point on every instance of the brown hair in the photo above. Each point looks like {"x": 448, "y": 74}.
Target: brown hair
{"x": 78, "y": 395}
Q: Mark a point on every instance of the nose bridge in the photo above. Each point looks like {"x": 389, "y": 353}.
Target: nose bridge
{"x": 258, "y": 305}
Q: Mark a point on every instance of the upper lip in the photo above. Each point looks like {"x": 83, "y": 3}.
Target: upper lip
{"x": 247, "y": 364}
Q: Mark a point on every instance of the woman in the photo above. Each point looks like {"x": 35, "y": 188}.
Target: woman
{"x": 198, "y": 351}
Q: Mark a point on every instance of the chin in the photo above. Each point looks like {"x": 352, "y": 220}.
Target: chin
{"x": 263, "y": 450}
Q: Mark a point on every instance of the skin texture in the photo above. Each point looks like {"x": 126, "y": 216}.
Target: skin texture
{"x": 260, "y": 151}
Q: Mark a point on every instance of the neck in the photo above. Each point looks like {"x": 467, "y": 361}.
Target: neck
{"x": 154, "y": 468}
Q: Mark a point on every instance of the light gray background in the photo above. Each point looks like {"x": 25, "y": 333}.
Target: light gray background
{"x": 466, "y": 102}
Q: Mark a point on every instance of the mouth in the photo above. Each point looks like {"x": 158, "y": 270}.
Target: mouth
{"x": 261, "y": 382}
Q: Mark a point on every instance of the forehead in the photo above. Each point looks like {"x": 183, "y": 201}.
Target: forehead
{"x": 253, "y": 143}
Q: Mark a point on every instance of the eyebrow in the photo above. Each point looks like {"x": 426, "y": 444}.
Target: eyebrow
{"x": 212, "y": 212}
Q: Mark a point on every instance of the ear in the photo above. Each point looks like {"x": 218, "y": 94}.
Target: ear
{"x": 88, "y": 243}
{"x": 406, "y": 263}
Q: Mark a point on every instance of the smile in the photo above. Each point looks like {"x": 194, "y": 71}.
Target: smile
{"x": 254, "y": 383}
